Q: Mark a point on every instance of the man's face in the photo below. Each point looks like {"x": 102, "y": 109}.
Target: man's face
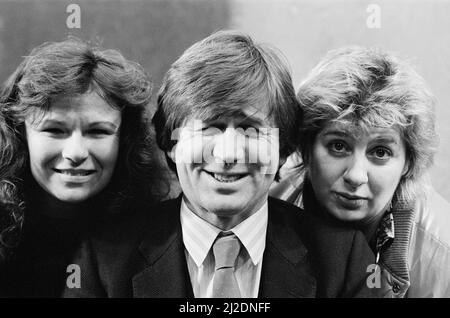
{"x": 225, "y": 167}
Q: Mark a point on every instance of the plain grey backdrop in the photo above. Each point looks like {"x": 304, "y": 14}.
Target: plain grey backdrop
{"x": 156, "y": 32}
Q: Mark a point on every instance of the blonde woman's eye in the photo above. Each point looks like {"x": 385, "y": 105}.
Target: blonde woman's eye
{"x": 382, "y": 153}
{"x": 338, "y": 146}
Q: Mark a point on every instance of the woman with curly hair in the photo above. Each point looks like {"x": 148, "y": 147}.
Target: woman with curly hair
{"x": 76, "y": 150}
{"x": 366, "y": 141}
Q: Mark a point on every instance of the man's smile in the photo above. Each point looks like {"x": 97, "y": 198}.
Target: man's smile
{"x": 226, "y": 177}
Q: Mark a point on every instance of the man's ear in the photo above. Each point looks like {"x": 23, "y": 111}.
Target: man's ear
{"x": 171, "y": 154}
{"x": 282, "y": 161}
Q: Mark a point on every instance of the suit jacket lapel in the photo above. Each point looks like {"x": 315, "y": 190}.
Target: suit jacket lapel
{"x": 287, "y": 270}
{"x": 166, "y": 274}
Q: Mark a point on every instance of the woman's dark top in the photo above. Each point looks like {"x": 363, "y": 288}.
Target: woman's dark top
{"x": 311, "y": 204}
{"x": 38, "y": 267}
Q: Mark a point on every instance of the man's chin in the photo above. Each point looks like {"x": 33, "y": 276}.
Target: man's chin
{"x": 226, "y": 209}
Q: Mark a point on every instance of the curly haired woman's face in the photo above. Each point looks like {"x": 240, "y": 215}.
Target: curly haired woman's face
{"x": 74, "y": 147}
{"x": 355, "y": 173}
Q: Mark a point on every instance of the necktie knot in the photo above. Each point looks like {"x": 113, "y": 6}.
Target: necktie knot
{"x": 226, "y": 250}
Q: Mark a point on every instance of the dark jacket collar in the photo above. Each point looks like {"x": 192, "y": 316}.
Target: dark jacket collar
{"x": 166, "y": 275}
{"x": 394, "y": 257}
{"x": 286, "y": 271}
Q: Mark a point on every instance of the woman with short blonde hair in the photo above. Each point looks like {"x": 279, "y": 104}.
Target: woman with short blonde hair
{"x": 366, "y": 141}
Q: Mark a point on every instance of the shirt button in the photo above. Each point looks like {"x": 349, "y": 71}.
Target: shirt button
{"x": 395, "y": 288}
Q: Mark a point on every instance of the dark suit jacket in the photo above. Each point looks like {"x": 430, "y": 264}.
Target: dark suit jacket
{"x": 144, "y": 257}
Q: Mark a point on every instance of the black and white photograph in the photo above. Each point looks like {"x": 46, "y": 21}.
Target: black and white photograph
{"x": 224, "y": 153}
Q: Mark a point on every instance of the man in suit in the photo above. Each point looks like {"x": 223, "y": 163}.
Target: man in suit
{"x": 227, "y": 118}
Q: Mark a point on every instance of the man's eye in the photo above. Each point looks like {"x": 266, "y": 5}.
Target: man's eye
{"x": 211, "y": 130}
{"x": 247, "y": 127}
{"x": 248, "y": 131}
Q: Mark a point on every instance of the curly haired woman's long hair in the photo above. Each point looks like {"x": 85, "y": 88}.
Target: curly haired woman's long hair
{"x": 69, "y": 68}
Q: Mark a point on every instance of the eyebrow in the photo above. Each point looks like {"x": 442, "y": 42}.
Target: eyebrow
{"x": 251, "y": 120}
{"x": 337, "y": 133}
{"x": 240, "y": 120}
{"x": 386, "y": 139}
{"x": 62, "y": 123}
{"x": 51, "y": 121}
{"x": 348, "y": 134}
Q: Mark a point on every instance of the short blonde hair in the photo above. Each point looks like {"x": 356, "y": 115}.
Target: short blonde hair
{"x": 370, "y": 88}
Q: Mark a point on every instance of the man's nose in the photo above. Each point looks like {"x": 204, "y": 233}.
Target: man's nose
{"x": 75, "y": 149}
{"x": 356, "y": 173}
{"x": 229, "y": 147}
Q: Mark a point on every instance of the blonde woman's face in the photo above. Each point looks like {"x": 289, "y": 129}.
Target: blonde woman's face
{"x": 74, "y": 147}
{"x": 354, "y": 174}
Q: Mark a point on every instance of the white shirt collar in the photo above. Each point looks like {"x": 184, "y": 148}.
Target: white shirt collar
{"x": 199, "y": 235}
